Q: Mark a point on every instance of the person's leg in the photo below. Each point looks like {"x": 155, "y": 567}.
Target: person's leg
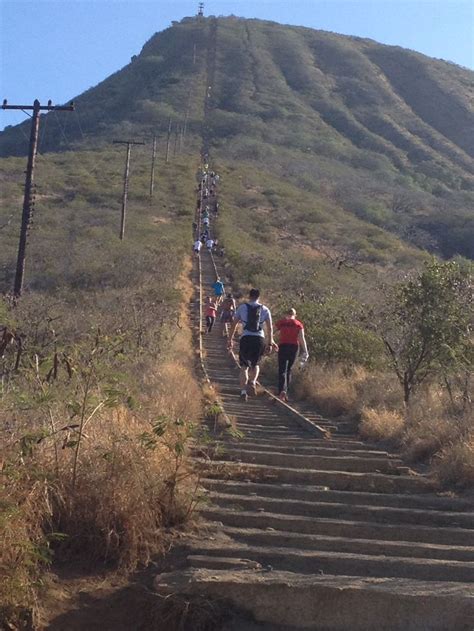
{"x": 282, "y": 364}
{"x": 244, "y": 377}
{"x": 211, "y": 323}
{"x": 291, "y": 356}
{"x": 253, "y": 376}
{"x": 244, "y": 367}
{"x": 258, "y": 349}
{"x": 208, "y": 324}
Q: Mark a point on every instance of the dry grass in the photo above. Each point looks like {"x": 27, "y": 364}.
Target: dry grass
{"x": 381, "y": 425}
{"x": 133, "y": 482}
{"x": 333, "y": 391}
{"x": 454, "y": 465}
{"x": 434, "y": 429}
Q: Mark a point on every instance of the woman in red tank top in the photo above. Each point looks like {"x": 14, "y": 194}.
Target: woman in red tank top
{"x": 291, "y": 338}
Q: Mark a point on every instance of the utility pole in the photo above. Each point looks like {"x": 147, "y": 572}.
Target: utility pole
{"x": 194, "y": 55}
{"x": 129, "y": 144}
{"x": 28, "y": 198}
{"x": 152, "y": 176}
{"x": 201, "y": 10}
{"x": 176, "y": 138}
{"x": 168, "y": 141}
{"x": 185, "y": 126}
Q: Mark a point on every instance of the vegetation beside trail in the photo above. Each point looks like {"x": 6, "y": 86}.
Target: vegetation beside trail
{"x": 99, "y": 398}
{"x": 391, "y": 347}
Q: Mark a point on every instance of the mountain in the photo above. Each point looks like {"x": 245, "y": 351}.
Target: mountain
{"x": 374, "y": 141}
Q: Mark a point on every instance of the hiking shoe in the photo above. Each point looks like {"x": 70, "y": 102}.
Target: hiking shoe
{"x": 283, "y": 396}
{"x": 252, "y": 389}
{"x": 244, "y": 397}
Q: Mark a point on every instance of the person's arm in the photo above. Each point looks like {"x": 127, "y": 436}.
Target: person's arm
{"x": 302, "y": 345}
{"x": 268, "y": 324}
{"x": 233, "y": 328}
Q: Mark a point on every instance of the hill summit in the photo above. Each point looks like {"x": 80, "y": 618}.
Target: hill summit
{"x": 385, "y": 133}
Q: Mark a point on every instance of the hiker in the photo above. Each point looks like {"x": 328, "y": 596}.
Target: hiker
{"x": 219, "y": 290}
{"x": 291, "y": 339}
{"x": 205, "y": 222}
{"x": 210, "y": 311}
{"x": 255, "y": 319}
{"x": 209, "y": 245}
{"x": 194, "y": 227}
{"x": 197, "y": 247}
{"x": 228, "y": 311}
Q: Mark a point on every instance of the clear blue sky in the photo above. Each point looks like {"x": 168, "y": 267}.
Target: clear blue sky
{"x": 56, "y": 49}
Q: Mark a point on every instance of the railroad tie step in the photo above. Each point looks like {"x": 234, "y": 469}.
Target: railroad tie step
{"x": 336, "y": 603}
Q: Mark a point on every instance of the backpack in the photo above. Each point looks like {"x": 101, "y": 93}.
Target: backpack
{"x": 253, "y": 318}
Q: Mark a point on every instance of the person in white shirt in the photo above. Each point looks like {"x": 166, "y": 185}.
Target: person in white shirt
{"x": 209, "y": 245}
{"x": 256, "y": 319}
{"x": 197, "y": 246}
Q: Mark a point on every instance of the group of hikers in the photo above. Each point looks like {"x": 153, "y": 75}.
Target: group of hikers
{"x": 252, "y": 318}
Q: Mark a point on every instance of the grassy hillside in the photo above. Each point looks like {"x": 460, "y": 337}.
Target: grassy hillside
{"x": 382, "y": 133}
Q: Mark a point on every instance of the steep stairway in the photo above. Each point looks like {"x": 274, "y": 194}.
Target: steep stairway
{"x": 306, "y": 531}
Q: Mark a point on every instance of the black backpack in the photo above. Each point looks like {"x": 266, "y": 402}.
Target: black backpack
{"x": 253, "y": 318}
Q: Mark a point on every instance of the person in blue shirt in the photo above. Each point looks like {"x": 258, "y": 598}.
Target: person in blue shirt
{"x": 219, "y": 290}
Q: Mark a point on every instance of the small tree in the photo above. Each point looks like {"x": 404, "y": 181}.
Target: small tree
{"x": 428, "y": 322}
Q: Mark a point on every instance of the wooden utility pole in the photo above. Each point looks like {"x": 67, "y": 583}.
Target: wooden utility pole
{"x": 129, "y": 144}
{"x": 152, "y": 175}
{"x": 168, "y": 141}
{"x": 176, "y": 138}
{"x": 185, "y": 126}
{"x": 28, "y": 198}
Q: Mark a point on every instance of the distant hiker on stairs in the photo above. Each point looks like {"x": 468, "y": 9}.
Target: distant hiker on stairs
{"x": 255, "y": 319}
{"x": 218, "y": 286}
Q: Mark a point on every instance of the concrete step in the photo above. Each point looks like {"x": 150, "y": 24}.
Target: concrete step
{"x": 353, "y": 512}
{"x": 372, "y": 547}
{"x": 312, "y": 461}
{"x": 336, "y": 480}
{"x": 332, "y": 603}
{"x": 339, "y": 527}
{"x": 207, "y": 554}
{"x": 324, "y": 494}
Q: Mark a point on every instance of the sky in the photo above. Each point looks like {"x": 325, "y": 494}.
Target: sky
{"x": 57, "y": 49}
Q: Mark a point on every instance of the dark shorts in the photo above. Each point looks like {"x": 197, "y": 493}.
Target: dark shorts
{"x": 227, "y": 316}
{"x": 252, "y": 348}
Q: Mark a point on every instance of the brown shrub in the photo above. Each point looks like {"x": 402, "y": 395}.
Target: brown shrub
{"x": 331, "y": 389}
{"x": 455, "y": 464}
{"x": 380, "y": 424}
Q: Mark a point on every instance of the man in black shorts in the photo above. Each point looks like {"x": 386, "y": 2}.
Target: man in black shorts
{"x": 255, "y": 319}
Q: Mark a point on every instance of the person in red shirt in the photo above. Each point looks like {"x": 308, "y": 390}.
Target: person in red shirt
{"x": 210, "y": 311}
{"x": 291, "y": 339}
